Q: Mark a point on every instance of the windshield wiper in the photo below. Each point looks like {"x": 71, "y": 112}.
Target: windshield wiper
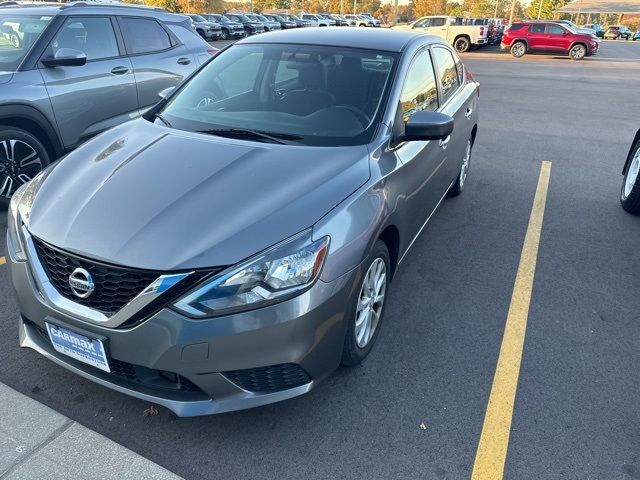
{"x": 273, "y": 137}
{"x": 164, "y": 120}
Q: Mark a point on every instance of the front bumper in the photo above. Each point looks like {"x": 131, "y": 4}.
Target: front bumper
{"x": 301, "y": 338}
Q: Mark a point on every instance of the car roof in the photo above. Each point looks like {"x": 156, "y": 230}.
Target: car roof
{"x": 370, "y": 39}
{"x": 92, "y": 8}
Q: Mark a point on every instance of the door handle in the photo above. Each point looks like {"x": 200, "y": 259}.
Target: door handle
{"x": 119, "y": 70}
{"x": 445, "y": 143}
{"x": 184, "y": 61}
{"x": 468, "y": 113}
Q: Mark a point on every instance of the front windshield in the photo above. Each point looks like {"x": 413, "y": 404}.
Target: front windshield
{"x": 17, "y": 34}
{"x": 261, "y": 18}
{"x": 315, "y": 95}
{"x": 198, "y": 18}
{"x": 221, "y": 18}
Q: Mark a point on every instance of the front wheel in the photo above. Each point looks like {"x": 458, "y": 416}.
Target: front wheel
{"x": 22, "y": 157}
{"x": 459, "y": 184}
{"x": 630, "y": 193}
{"x": 225, "y": 35}
{"x": 462, "y": 44}
{"x": 578, "y": 52}
{"x": 367, "y": 307}
{"x": 518, "y": 49}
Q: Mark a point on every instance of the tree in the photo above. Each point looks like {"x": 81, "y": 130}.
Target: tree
{"x": 423, "y": 8}
{"x": 544, "y": 7}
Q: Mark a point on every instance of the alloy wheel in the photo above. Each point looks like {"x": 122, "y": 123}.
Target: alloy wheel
{"x": 464, "y": 170}
{"x": 19, "y": 163}
{"x": 518, "y": 50}
{"x": 370, "y": 302}
{"x": 632, "y": 174}
{"x": 577, "y": 52}
{"x": 462, "y": 45}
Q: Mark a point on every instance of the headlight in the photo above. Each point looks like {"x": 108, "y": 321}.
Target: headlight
{"x": 19, "y": 213}
{"x": 277, "y": 274}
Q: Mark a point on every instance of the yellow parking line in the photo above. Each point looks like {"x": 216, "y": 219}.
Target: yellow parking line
{"x": 494, "y": 440}
{"x": 2, "y": 261}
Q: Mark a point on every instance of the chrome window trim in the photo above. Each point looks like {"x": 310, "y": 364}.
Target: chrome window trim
{"x": 56, "y": 301}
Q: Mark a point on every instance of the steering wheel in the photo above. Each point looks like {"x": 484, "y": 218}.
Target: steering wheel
{"x": 363, "y": 117}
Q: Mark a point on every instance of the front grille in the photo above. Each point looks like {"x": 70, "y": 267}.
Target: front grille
{"x": 269, "y": 379}
{"x": 114, "y": 286}
{"x": 148, "y": 377}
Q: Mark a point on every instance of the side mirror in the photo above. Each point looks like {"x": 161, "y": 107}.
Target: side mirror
{"x": 165, "y": 93}
{"x": 427, "y": 126}
{"x": 66, "y": 57}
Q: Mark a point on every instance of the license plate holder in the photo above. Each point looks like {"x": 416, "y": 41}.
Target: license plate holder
{"x": 85, "y": 349}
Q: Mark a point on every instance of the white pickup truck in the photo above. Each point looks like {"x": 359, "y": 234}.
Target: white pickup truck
{"x": 453, "y": 29}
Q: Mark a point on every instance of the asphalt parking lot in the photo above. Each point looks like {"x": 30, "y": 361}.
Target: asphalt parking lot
{"x": 415, "y": 408}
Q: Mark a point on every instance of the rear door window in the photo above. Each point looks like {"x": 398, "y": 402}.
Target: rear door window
{"x": 555, "y": 29}
{"x": 144, "y": 35}
{"x": 437, "y": 22}
{"x": 537, "y": 28}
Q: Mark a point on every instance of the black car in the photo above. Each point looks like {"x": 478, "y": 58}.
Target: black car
{"x": 630, "y": 192}
{"x": 597, "y": 28}
{"x": 229, "y": 28}
{"x": 251, "y": 27}
{"x": 206, "y": 29}
{"x": 284, "y": 24}
{"x": 298, "y": 21}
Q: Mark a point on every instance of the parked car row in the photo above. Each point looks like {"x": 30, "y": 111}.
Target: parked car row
{"x": 549, "y": 36}
{"x": 234, "y": 25}
{"x": 462, "y": 33}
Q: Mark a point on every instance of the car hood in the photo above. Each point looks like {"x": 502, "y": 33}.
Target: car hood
{"x": 146, "y": 196}
{"x": 5, "y": 77}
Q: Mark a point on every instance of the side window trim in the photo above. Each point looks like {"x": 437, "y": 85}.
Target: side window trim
{"x": 173, "y": 45}
{"x": 441, "y": 99}
{"x": 116, "y": 32}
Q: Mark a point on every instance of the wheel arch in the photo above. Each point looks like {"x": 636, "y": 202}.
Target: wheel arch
{"x": 391, "y": 238}
{"x": 523, "y": 40}
{"x": 579, "y": 42}
{"x": 33, "y": 121}
{"x": 636, "y": 139}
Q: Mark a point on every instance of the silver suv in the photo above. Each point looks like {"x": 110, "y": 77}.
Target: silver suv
{"x": 71, "y": 71}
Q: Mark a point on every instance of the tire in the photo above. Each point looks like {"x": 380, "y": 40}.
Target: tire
{"x": 357, "y": 347}
{"x": 458, "y": 187}
{"x": 518, "y": 49}
{"x": 630, "y": 191}
{"x": 22, "y": 157}
{"x": 462, "y": 44}
{"x": 578, "y": 52}
{"x": 15, "y": 40}
{"x": 225, "y": 34}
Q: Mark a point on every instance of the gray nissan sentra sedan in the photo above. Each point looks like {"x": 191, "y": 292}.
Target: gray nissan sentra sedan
{"x": 235, "y": 245}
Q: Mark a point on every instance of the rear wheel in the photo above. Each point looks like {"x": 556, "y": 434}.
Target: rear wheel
{"x": 367, "y": 308}
{"x": 518, "y": 49}
{"x": 462, "y": 44}
{"x": 630, "y": 193}
{"x": 22, "y": 157}
{"x": 578, "y": 52}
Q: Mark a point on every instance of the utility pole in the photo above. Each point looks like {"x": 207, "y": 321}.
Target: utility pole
{"x": 394, "y": 20}
{"x": 354, "y": 6}
{"x": 495, "y": 14}
{"x": 513, "y": 10}
{"x": 540, "y": 10}
{"x": 341, "y": 7}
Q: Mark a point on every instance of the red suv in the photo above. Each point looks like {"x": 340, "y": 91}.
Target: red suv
{"x": 525, "y": 37}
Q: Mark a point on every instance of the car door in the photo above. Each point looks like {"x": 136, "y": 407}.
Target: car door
{"x": 537, "y": 36}
{"x": 90, "y": 98}
{"x": 159, "y": 60}
{"x": 457, "y": 102}
{"x": 438, "y": 26}
{"x": 558, "y": 38}
{"x": 420, "y": 175}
